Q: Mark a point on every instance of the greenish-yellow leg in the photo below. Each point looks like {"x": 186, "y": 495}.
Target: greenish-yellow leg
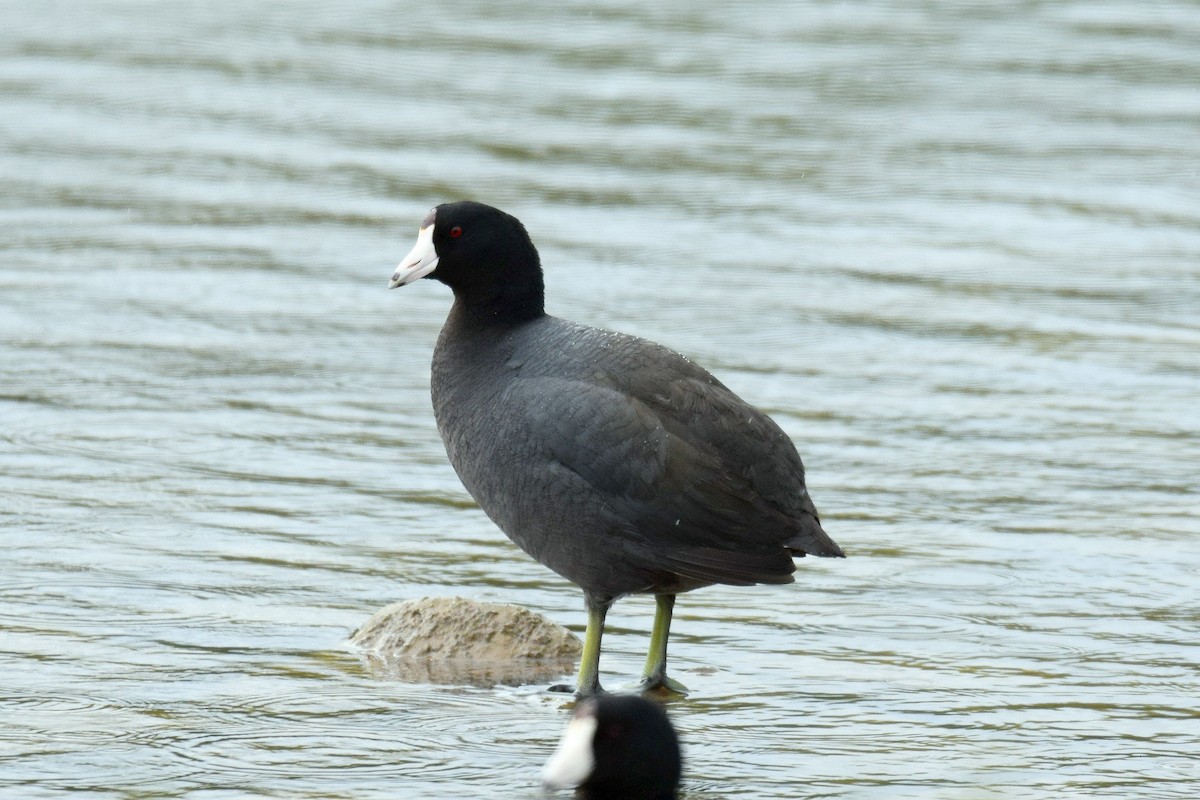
{"x": 588, "y": 682}
{"x": 654, "y": 677}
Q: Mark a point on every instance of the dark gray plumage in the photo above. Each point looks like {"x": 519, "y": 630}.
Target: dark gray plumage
{"x": 614, "y": 461}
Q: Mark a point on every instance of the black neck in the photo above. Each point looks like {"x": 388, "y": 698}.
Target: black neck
{"x": 503, "y": 305}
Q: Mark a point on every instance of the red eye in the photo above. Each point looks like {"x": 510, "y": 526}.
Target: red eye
{"x": 455, "y": 232}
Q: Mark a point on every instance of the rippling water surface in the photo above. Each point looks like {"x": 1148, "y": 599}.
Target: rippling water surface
{"x": 952, "y": 248}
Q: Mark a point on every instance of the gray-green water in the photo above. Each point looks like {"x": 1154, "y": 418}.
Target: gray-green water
{"x": 953, "y": 248}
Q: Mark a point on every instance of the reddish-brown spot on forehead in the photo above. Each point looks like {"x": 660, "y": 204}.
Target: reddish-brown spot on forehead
{"x": 429, "y": 218}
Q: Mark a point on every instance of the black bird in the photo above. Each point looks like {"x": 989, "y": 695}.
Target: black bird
{"x": 616, "y": 462}
{"x": 617, "y": 747}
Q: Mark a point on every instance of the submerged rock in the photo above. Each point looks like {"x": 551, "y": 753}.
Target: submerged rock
{"x": 455, "y": 640}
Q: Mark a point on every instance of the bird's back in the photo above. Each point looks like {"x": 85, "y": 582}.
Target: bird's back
{"x": 618, "y": 463}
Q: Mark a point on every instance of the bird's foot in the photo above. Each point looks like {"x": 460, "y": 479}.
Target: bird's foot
{"x": 566, "y": 688}
{"x": 663, "y": 687}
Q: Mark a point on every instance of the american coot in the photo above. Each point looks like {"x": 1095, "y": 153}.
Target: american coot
{"x": 614, "y": 461}
{"x": 617, "y": 747}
